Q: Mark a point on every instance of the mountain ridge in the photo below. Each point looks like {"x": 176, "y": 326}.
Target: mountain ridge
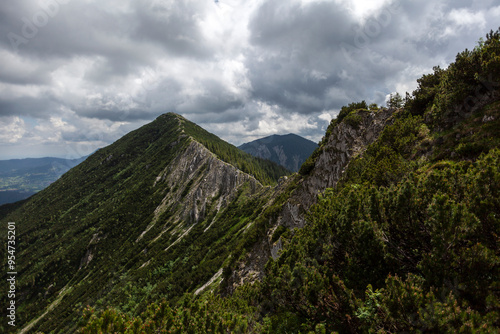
{"x": 143, "y": 198}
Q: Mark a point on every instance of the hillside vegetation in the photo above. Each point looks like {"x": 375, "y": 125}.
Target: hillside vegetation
{"x": 152, "y": 234}
{"x": 407, "y": 242}
{"x": 133, "y": 223}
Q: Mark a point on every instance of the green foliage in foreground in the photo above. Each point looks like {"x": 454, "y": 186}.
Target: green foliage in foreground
{"x": 421, "y": 254}
{"x": 210, "y": 315}
{"x": 463, "y": 87}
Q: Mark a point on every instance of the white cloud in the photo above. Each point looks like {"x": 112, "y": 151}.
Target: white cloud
{"x": 494, "y": 12}
{"x": 464, "y": 18}
{"x": 327, "y": 116}
{"x": 12, "y": 129}
{"x": 467, "y": 18}
{"x": 366, "y": 8}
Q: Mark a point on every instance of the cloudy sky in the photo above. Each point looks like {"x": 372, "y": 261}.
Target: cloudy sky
{"x": 76, "y": 75}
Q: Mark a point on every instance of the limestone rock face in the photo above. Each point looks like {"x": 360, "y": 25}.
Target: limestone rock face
{"x": 201, "y": 182}
{"x": 345, "y": 142}
{"x": 200, "y": 176}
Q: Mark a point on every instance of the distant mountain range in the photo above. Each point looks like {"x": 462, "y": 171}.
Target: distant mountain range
{"x": 21, "y": 178}
{"x": 290, "y": 151}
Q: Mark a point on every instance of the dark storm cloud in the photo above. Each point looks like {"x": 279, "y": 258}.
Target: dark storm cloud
{"x": 17, "y": 73}
{"x": 174, "y": 26}
{"x": 288, "y": 26}
{"x": 318, "y": 56}
{"x": 301, "y": 62}
{"x": 236, "y": 66}
{"x": 114, "y": 113}
{"x": 118, "y": 38}
{"x": 116, "y": 108}
{"x": 219, "y": 117}
{"x": 38, "y": 107}
{"x": 215, "y": 98}
{"x": 81, "y": 28}
{"x": 107, "y": 70}
{"x": 75, "y": 30}
{"x": 124, "y": 37}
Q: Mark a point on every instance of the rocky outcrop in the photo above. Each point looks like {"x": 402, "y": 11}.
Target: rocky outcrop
{"x": 344, "y": 143}
{"x": 89, "y": 253}
{"x": 201, "y": 182}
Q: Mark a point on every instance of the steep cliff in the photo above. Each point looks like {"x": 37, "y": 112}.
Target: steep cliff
{"x": 201, "y": 182}
{"x": 346, "y": 140}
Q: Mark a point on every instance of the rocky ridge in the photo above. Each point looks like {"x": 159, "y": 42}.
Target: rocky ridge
{"x": 347, "y": 141}
{"x": 202, "y": 182}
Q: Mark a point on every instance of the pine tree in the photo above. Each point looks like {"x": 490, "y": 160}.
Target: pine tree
{"x": 395, "y": 101}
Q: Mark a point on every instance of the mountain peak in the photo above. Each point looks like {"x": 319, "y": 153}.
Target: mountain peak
{"x": 289, "y": 150}
{"x": 144, "y": 197}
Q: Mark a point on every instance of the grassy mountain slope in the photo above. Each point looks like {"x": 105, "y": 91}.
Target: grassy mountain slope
{"x": 137, "y": 220}
{"x": 407, "y": 241}
{"x": 289, "y": 150}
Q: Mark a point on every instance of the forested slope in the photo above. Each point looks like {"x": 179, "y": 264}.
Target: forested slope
{"x": 141, "y": 219}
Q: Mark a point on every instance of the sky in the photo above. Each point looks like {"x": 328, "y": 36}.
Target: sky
{"x": 76, "y": 75}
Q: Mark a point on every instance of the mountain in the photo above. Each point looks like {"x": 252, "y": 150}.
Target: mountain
{"x": 21, "y": 178}
{"x": 290, "y": 150}
{"x": 391, "y": 225}
{"x": 143, "y": 217}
